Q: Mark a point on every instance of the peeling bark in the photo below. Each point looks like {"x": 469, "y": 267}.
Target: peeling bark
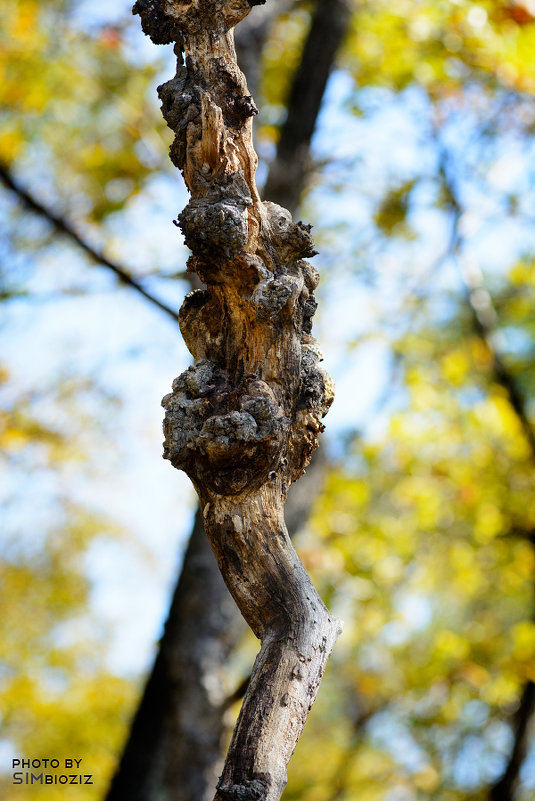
{"x": 243, "y": 421}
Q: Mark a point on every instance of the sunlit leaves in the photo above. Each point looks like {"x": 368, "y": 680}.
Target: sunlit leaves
{"x": 391, "y": 216}
{"x": 434, "y": 526}
{"x": 85, "y": 718}
{"x": 56, "y": 694}
{"x": 423, "y": 543}
{"x": 442, "y": 45}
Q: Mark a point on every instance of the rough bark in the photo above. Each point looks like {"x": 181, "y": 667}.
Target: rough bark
{"x": 244, "y": 419}
{"x": 161, "y": 760}
{"x": 173, "y": 749}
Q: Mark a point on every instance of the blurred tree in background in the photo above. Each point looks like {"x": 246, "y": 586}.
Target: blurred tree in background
{"x": 420, "y": 181}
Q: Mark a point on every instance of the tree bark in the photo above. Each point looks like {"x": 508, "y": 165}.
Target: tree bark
{"x": 174, "y": 744}
{"x": 280, "y": 604}
{"x": 244, "y": 419}
{"x": 173, "y": 749}
{"x": 161, "y": 759}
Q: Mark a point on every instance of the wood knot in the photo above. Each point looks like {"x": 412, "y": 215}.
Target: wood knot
{"x": 214, "y": 230}
{"x": 254, "y": 790}
{"x": 293, "y": 239}
{"x": 155, "y": 22}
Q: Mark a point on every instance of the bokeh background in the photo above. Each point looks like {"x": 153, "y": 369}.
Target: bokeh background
{"x": 420, "y": 185}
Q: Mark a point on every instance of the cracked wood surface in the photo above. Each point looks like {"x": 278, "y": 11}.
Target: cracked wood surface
{"x": 243, "y": 421}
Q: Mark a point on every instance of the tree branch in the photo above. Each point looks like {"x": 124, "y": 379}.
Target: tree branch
{"x": 243, "y": 421}
{"x": 174, "y": 744}
{"x": 289, "y": 172}
{"x": 505, "y": 788}
{"x": 161, "y": 755}
{"x": 279, "y": 602}
{"x": 64, "y": 227}
{"x": 485, "y": 324}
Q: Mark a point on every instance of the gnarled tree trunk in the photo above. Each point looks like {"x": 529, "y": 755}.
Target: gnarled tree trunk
{"x": 244, "y": 419}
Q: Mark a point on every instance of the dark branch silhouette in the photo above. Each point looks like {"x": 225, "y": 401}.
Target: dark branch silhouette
{"x": 290, "y": 170}
{"x": 64, "y": 227}
{"x": 505, "y": 788}
{"x": 484, "y": 320}
{"x": 173, "y": 747}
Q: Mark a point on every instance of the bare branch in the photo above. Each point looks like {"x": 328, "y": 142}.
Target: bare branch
{"x": 484, "y": 319}
{"x": 505, "y": 788}
{"x": 289, "y": 172}
{"x": 64, "y": 227}
{"x": 243, "y": 421}
{"x": 163, "y": 748}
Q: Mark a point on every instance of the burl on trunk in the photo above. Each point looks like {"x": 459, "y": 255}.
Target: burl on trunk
{"x": 243, "y": 421}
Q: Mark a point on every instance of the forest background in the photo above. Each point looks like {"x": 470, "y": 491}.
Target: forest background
{"x": 419, "y": 180}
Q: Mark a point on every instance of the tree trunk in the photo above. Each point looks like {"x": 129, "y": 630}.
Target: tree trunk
{"x": 251, "y": 36}
{"x": 174, "y": 744}
{"x": 244, "y": 419}
{"x": 162, "y": 759}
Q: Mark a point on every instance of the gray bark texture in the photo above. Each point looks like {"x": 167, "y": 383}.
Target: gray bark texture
{"x": 244, "y": 419}
{"x": 173, "y": 751}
